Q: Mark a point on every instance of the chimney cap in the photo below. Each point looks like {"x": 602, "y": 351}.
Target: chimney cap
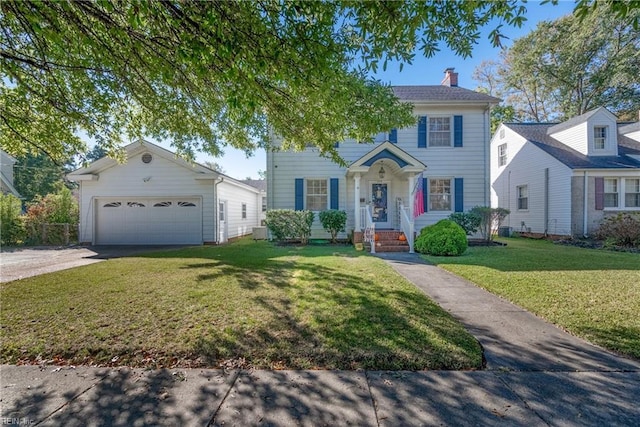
{"x": 449, "y": 69}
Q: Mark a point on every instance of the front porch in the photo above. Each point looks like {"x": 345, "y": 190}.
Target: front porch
{"x": 384, "y": 182}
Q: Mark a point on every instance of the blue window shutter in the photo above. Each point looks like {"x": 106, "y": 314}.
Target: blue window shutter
{"x": 458, "y": 189}
{"x": 299, "y": 194}
{"x": 457, "y": 131}
{"x": 333, "y": 188}
{"x": 425, "y": 194}
{"x": 422, "y": 132}
{"x": 336, "y": 145}
{"x": 599, "y": 193}
{"x": 393, "y": 136}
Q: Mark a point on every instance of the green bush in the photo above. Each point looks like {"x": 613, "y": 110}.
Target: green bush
{"x": 490, "y": 220}
{"x": 287, "y": 224}
{"x": 333, "y": 221}
{"x": 469, "y": 221}
{"x": 59, "y": 208}
{"x": 12, "y": 231}
{"x": 621, "y": 230}
{"x": 445, "y": 237}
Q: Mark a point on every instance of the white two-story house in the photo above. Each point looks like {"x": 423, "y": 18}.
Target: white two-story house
{"x": 564, "y": 178}
{"x": 448, "y": 149}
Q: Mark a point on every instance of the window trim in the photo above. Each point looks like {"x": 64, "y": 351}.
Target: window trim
{"x": 602, "y": 138}
{"x": 520, "y": 199}
{"x": 431, "y": 193}
{"x": 634, "y": 193}
{"x": 502, "y": 154}
{"x": 307, "y": 194}
{"x": 617, "y": 182}
{"x": 243, "y": 211}
{"x": 430, "y": 135}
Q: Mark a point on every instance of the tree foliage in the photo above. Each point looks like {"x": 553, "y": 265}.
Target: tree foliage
{"x": 569, "y": 66}
{"x": 208, "y": 74}
{"x": 333, "y": 221}
{"x": 36, "y": 175}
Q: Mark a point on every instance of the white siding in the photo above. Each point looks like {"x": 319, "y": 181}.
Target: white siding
{"x": 575, "y": 137}
{"x": 527, "y": 167}
{"x": 469, "y": 162}
{"x": 581, "y": 136}
{"x": 235, "y": 196}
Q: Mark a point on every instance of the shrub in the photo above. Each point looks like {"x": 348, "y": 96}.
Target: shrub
{"x": 287, "y": 224}
{"x": 469, "y": 221}
{"x": 442, "y": 238}
{"x": 333, "y": 221}
{"x": 12, "y": 229}
{"x": 490, "y": 220}
{"x": 621, "y": 230}
{"x": 59, "y": 208}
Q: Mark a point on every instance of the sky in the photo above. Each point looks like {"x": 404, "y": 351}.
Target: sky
{"x": 423, "y": 71}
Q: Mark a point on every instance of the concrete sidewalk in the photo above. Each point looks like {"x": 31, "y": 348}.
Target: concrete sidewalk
{"x": 537, "y": 376}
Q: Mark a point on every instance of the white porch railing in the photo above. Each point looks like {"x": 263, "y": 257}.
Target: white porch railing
{"x": 406, "y": 225}
{"x": 369, "y": 235}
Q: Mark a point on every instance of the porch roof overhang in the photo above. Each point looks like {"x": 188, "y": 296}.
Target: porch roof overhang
{"x": 387, "y": 151}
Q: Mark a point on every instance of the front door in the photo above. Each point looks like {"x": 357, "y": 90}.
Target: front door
{"x": 380, "y": 206}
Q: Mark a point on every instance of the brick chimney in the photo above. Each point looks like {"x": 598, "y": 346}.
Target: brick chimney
{"x": 450, "y": 78}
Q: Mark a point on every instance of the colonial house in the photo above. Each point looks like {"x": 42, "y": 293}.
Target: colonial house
{"x": 565, "y": 178}
{"x": 157, "y": 198}
{"x": 447, "y": 150}
{"x": 6, "y": 174}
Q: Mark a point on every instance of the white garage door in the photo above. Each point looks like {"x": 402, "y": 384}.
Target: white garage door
{"x": 148, "y": 221}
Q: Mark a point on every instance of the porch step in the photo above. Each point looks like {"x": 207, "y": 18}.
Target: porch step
{"x": 388, "y": 242}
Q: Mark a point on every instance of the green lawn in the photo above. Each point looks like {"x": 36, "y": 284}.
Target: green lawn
{"x": 594, "y": 294}
{"x": 248, "y": 304}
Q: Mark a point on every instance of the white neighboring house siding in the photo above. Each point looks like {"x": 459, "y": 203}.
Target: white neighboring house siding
{"x": 467, "y": 162}
{"x": 575, "y": 137}
{"x": 235, "y": 194}
{"x": 167, "y": 179}
{"x": 526, "y": 165}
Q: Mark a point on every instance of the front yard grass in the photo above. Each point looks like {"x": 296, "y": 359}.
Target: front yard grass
{"x": 248, "y": 304}
{"x": 594, "y": 294}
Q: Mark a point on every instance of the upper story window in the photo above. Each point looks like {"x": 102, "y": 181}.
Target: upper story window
{"x": 522, "y": 192}
{"x": 599, "y": 137}
{"x": 502, "y": 154}
{"x": 610, "y": 192}
{"x": 439, "y": 132}
{"x": 317, "y": 194}
{"x": 440, "y": 194}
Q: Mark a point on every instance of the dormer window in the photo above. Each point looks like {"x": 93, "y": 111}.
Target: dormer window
{"x": 599, "y": 137}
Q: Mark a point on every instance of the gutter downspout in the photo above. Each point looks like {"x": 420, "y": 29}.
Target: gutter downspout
{"x": 546, "y": 201}
{"x": 216, "y": 206}
{"x": 487, "y": 183}
{"x": 586, "y": 204}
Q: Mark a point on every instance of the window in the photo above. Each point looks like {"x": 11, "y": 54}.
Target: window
{"x": 440, "y": 194}
{"x": 135, "y": 204}
{"x": 523, "y": 197}
{"x": 439, "y": 132}
{"x": 186, "y": 204}
{"x": 632, "y": 193}
{"x": 502, "y": 154}
{"x": 264, "y": 203}
{"x": 599, "y": 137}
{"x": 221, "y": 211}
{"x": 317, "y": 194}
{"x": 501, "y": 133}
{"x": 113, "y": 205}
{"x": 610, "y": 192}
{"x": 244, "y": 211}
{"x": 162, "y": 205}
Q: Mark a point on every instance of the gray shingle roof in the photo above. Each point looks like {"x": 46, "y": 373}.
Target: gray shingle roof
{"x": 629, "y": 127}
{"x": 260, "y": 184}
{"x": 537, "y": 134}
{"x": 557, "y": 127}
{"x": 441, "y": 93}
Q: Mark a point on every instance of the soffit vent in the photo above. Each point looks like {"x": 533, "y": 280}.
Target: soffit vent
{"x": 146, "y": 158}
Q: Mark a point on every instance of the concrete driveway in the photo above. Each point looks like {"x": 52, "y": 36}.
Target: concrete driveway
{"x": 19, "y": 263}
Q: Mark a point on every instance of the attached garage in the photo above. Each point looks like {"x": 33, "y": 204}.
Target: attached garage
{"x": 148, "y": 221}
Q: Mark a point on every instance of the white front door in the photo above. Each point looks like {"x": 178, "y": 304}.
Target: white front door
{"x": 222, "y": 222}
{"x": 380, "y": 197}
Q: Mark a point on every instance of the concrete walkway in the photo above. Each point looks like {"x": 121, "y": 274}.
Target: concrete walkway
{"x": 536, "y": 375}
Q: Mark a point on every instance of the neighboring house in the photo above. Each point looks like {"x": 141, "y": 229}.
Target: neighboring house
{"x": 261, "y": 185}
{"x": 158, "y": 198}
{"x": 449, "y": 145}
{"x": 6, "y": 174}
{"x": 563, "y": 179}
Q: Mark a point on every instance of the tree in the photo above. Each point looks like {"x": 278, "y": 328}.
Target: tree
{"x": 214, "y": 166}
{"x": 569, "y": 66}
{"x": 209, "y": 74}
{"x": 36, "y": 175}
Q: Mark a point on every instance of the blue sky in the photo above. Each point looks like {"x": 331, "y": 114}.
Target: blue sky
{"x": 423, "y": 71}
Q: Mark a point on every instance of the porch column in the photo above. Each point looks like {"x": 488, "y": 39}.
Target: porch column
{"x": 356, "y": 203}
{"x": 411, "y": 198}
